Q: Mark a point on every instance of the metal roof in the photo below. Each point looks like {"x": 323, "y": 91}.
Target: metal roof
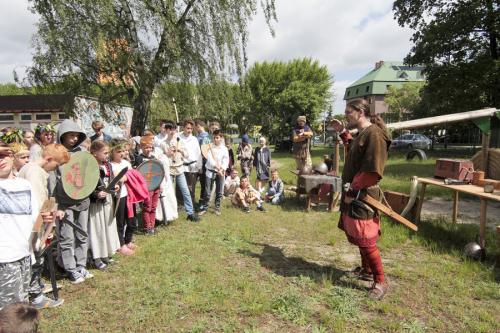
{"x": 385, "y": 73}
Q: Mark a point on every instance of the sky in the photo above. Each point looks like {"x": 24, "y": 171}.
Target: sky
{"x": 346, "y": 36}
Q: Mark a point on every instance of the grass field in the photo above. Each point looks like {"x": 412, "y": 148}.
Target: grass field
{"x": 283, "y": 271}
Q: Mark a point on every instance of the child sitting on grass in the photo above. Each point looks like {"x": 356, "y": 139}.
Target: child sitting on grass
{"x": 275, "y": 193}
{"x": 245, "y": 195}
{"x": 231, "y": 183}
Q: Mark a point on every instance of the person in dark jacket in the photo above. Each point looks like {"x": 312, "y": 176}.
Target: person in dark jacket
{"x": 262, "y": 163}
{"x": 73, "y": 245}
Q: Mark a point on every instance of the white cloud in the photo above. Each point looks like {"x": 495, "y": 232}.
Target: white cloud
{"x": 17, "y": 24}
{"x": 346, "y": 36}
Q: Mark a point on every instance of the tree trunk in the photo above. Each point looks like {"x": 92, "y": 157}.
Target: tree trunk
{"x": 141, "y": 110}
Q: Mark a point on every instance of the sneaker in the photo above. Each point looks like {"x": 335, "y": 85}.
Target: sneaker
{"x": 202, "y": 211}
{"x": 100, "y": 265}
{"x": 261, "y": 208}
{"x": 246, "y": 209}
{"x": 109, "y": 261}
{"x": 75, "y": 277}
{"x": 48, "y": 288}
{"x": 46, "y": 303}
{"x": 193, "y": 218}
{"x": 85, "y": 273}
{"x": 150, "y": 232}
{"x": 218, "y": 212}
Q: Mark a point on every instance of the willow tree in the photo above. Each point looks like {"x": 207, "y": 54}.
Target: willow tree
{"x": 120, "y": 50}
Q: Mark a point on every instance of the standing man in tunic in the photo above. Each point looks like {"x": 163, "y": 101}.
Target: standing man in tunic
{"x": 301, "y": 137}
{"x": 363, "y": 169}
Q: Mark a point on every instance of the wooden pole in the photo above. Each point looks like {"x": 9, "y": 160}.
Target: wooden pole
{"x": 485, "y": 143}
{"x": 455, "y": 207}
{"x": 482, "y": 222}
{"x": 498, "y": 244}
{"x": 337, "y": 157}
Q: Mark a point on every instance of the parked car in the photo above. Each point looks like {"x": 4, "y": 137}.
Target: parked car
{"x": 411, "y": 141}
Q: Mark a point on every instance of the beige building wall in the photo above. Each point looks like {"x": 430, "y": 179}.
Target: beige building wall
{"x": 28, "y": 120}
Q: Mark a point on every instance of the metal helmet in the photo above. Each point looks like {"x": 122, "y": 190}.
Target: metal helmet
{"x": 306, "y": 170}
{"x": 474, "y": 251}
{"x": 321, "y": 168}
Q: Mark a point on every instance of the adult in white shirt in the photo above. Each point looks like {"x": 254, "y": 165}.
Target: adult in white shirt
{"x": 193, "y": 161}
{"x": 160, "y": 137}
{"x": 173, "y": 147}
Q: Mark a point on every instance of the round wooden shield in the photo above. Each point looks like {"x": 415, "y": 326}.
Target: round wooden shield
{"x": 205, "y": 148}
{"x": 80, "y": 175}
{"x": 153, "y": 173}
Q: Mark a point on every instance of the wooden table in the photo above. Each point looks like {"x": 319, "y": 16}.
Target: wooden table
{"x": 309, "y": 184}
{"x": 474, "y": 190}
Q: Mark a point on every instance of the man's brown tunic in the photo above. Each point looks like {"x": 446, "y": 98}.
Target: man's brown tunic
{"x": 367, "y": 153}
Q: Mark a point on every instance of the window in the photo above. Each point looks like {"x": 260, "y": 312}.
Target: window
{"x": 367, "y": 89}
{"x": 348, "y": 93}
{"x": 63, "y": 116}
{"x": 388, "y": 86}
{"x": 26, "y": 117}
{"x": 357, "y": 91}
{"x": 6, "y": 117}
{"x": 43, "y": 116}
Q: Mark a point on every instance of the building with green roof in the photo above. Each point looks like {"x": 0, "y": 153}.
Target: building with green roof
{"x": 373, "y": 86}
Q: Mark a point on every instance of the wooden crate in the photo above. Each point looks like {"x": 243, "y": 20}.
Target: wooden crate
{"x": 398, "y": 202}
{"x": 455, "y": 169}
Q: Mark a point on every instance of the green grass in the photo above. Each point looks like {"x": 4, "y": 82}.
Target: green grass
{"x": 283, "y": 271}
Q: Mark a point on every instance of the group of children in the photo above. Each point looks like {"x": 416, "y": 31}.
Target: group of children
{"x": 94, "y": 228}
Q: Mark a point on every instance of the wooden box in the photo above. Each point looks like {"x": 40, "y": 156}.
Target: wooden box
{"x": 398, "y": 202}
{"x": 455, "y": 169}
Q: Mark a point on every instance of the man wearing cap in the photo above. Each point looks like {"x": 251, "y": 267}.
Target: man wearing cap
{"x": 301, "y": 137}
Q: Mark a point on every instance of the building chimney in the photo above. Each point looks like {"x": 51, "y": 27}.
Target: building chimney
{"x": 379, "y": 64}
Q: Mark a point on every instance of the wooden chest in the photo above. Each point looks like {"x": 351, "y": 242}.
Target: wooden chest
{"x": 455, "y": 169}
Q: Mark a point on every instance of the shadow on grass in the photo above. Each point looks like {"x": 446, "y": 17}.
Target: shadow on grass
{"x": 273, "y": 258}
{"x": 294, "y": 204}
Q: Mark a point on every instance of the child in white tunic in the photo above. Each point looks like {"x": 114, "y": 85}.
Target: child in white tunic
{"x": 103, "y": 234}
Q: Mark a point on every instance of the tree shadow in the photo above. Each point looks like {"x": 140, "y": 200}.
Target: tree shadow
{"x": 273, "y": 258}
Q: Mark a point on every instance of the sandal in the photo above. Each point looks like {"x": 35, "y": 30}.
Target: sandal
{"x": 378, "y": 291}
{"x": 361, "y": 273}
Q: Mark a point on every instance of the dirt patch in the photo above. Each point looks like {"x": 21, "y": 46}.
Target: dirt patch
{"x": 468, "y": 211}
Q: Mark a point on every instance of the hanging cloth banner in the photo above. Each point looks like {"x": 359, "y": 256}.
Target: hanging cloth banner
{"x": 484, "y": 124}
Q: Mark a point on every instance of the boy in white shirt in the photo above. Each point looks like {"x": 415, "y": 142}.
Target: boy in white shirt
{"x": 216, "y": 165}
{"x": 193, "y": 162}
{"x": 18, "y": 213}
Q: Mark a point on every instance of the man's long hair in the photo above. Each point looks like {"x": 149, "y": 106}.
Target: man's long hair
{"x": 362, "y": 105}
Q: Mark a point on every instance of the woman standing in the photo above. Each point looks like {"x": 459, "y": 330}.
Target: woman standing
{"x": 262, "y": 163}
{"x": 245, "y": 155}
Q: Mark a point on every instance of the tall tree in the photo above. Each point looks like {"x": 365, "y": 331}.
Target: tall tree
{"x": 218, "y": 100}
{"x": 282, "y": 91}
{"x": 122, "y": 49}
{"x": 457, "y": 41}
{"x": 402, "y": 101}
